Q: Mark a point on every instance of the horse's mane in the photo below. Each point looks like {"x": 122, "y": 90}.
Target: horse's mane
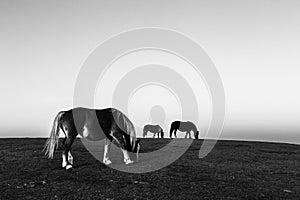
{"x": 126, "y": 126}
{"x": 123, "y": 122}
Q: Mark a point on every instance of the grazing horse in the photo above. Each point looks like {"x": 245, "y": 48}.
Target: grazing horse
{"x": 155, "y": 129}
{"x": 184, "y": 127}
{"x": 109, "y": 124}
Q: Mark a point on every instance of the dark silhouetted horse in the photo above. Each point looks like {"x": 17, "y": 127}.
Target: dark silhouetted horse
{"x": 184, "y": 127}
{"x": 109, "y": 124}
{"x": 155, "y": 129}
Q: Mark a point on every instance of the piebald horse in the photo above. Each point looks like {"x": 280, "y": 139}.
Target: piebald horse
{"x": 184, "y": 127}
{"x": 109, "y": 124}
{"x": 155, "y": 129}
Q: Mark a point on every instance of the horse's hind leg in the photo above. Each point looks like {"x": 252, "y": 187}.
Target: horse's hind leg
{"x": 66, "y": 155}
{"x": 171, "y": 131}
{"x": 175, "y": 133}
{"x": 67, "y": 158}
{"x": 107, "y": 146}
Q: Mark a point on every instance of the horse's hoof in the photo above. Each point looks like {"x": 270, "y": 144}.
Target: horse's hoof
{"x": 107, "y": 162}
{"x": 69, "y": 167}
{"x": 128, "y": 162}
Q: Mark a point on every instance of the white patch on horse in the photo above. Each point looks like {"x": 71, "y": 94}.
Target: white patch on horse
{"x": 68, "y": 167}
{"x": 107, "y": 146}
{"x": 85, "y": 131}
{"x": 70, "y": 158}
{"x": 127, "y": 159}
{"x": 64, "y": 161}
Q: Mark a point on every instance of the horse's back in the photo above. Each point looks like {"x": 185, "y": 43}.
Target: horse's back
{"x": 152, "y": 128}
{"x": 175, "y": 124}
{"x": 186, "y": 126}
{"x": 93, "y": 124}
{"x": 106, "y": 117}
{"x": 148, "y": 127}
{"x": 88, "y": 114}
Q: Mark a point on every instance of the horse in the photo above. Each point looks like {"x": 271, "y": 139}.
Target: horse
{"x": 94, "y": 125}
{"x": 184, "y": 127}
{"x": 155, "y": 129}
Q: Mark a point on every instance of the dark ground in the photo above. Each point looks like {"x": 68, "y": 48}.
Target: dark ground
{"x": 233, "y": 170}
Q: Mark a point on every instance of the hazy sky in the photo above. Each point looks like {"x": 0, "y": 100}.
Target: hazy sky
{"x": 255, "y": 46}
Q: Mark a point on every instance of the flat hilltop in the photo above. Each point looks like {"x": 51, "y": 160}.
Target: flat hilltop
{"x": 232, "y": 170}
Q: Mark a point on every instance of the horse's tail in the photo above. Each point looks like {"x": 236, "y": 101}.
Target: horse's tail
{"x": 52, "y": 141}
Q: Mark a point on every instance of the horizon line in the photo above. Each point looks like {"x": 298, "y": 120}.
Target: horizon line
{"x": 222, "y": 139}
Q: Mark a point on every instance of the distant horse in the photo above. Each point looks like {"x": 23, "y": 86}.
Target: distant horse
{"x": 109, "y": 124}
{"x": 184, "y": 127}
{"x": 155, "y": 129}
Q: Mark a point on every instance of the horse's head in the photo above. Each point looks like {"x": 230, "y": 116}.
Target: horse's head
{"x": 144, "y": 133}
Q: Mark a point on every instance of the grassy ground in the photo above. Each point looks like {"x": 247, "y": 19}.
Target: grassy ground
{"x": 233, "y": 170}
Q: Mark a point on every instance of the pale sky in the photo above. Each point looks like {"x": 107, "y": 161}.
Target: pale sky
{"x": 254, "y": 45}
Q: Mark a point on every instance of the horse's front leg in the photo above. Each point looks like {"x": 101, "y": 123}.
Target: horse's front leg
{"x": 70, "y": 158}
{"x": 107, "y": 146}
{"x": 127, "y": 159}
{"x": 118, "y": 137}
